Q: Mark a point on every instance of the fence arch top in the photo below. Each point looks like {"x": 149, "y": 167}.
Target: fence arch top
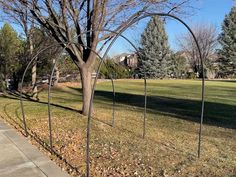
{"x": 143, "y": 16}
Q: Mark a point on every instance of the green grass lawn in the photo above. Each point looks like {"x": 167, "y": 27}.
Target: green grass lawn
{"x": 170, "y": 146}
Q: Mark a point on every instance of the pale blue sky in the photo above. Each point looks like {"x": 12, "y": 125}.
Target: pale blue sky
{"x": 209, "y": 11}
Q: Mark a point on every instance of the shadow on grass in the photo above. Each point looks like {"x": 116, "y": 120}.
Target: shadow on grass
{"x": 45, "y": 144}
{"x": 15, "y": 123}
{"x": 233, "y": 81}
{"x": 16, "y": 96}
{"x": 216, "y": 114}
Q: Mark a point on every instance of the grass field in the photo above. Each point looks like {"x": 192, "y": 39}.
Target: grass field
{"x": 170, "y": 146}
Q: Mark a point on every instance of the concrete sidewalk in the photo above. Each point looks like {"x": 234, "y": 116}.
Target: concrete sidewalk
{"x": 18, "y": 158}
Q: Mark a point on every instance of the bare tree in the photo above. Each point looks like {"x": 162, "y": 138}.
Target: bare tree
{"x": 206, "y": 36}
{"x": 64, "y": 18}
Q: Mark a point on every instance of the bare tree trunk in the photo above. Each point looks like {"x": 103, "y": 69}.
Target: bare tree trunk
{"x": 34, "y": 68}
{"x": 57, "y": 73}
{"x": 2, "y": 83}
{"x": 86, "y": 81}
{"x": 34, "y": 75}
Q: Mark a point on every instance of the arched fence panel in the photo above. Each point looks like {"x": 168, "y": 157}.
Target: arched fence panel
{"x": 105, "y": 54}
{"x": 50, "y": 84}
{"x": 115, "y": 37}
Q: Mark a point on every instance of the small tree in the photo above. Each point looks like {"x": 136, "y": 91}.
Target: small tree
{"x": 178, "y": 65}
{"x": 207, "y": 39}
{"x": 227, "y": 39}
{"x": 154, "y": 49}
{"x": 41, "y": 40}
{"x": 114, "y": 70}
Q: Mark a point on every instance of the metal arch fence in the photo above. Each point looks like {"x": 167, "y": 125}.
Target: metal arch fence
{"x": 65, "y": 46}
{"x": 49, "y": 90}
{"x": 117, "y": 35}
{"x": 50, "y": 82}
{"x": 145, "y": 15}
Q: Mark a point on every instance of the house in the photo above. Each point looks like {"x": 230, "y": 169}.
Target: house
{"x": 128, "y": 60}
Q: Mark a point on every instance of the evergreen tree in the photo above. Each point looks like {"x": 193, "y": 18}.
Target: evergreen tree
{"x": 154, "y": 50}
{"x": 10, "y": 48}
{"x": 227, "y": 39}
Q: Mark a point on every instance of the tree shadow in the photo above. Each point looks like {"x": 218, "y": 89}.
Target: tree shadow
{"x": 216, "y": 114}
{"x": 16, "y": 96}
{"x": 233, "y": 81}
{"x": 11, "y": 118}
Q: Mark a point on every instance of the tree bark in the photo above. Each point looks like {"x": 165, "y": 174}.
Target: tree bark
{"x": 34, "y": 76}
{"x": 86, "y": 81}
{"x": 2, "y": 83}
{"x": 34, "y": 68}
{"x": 57, "y": 72}
{"x": 57, "y": 75}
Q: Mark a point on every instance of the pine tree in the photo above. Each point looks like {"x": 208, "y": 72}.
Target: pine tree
{"x": 154, "y": 50}
{"x": 227, "y": 39}
{"x": 10, "y": 47}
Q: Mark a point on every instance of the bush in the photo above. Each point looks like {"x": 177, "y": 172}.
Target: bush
{"x": 191, "y": 75}
{"x": 110, "y": 68}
